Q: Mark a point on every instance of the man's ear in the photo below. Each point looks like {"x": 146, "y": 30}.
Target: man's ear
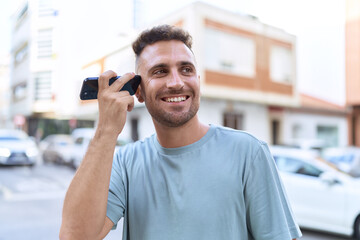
{"x": 138, "y": 95}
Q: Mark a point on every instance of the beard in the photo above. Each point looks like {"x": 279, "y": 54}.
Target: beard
{"x": 177, "y": 117}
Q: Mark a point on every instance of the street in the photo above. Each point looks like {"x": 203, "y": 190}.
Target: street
{"x": 31, "y": 202}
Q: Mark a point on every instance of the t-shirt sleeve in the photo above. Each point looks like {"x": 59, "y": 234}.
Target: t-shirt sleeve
{"x": 116, "y": 204}
{"x": 269, "y": 215}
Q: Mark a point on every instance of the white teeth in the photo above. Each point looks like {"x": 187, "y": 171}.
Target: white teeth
{"x": 176, "y": 99}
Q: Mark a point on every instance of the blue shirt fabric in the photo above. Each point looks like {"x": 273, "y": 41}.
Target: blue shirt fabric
{"x": 224, "y": 186}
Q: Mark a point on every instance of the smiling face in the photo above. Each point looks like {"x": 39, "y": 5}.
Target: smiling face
{"x": 170, "y": 84}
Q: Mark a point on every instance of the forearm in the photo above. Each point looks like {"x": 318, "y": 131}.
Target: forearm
{"x": 85, "y": 203}
{"x": 84, "y": 212}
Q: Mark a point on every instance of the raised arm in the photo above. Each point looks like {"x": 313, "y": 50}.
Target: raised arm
{"x": 84, "y": 211}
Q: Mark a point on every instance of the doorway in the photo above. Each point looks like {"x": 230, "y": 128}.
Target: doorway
{"x": 275, "y": 132}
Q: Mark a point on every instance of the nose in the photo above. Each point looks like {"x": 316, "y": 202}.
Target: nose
{"x": 174, "y": 81}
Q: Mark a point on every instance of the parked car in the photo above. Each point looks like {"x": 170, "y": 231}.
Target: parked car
{"x": 17, "y": 148}
{"x": 82, "y": 138}
{"x": 345, "y": 158}
{"x": 57, "y": 148}
{"x": 322, "y": 196}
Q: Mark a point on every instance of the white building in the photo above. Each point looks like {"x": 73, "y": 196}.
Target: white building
{"x": 244, "y": 65}
{"x": 51, "y": 41}
{"x": 5, "y": 121}
{"x": 248, "y": 80}
{"x": 247, "y": 68}
{"x": 316, "y": 123}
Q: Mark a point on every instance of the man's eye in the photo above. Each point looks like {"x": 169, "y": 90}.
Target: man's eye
{"x": 160, "y": 71}
{"x": 187, "y": 70}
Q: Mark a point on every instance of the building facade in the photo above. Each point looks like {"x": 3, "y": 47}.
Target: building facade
{"x": 244, "y": 66}
{"x": 316, "y": 123}
{"x": 247, "y": 72}
{"x": 51, "y": 41}
{"x": 5, "y": 120}
{"x": 352, "y": 39}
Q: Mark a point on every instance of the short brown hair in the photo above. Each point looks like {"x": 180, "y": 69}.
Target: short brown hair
{"x": 161, "y": 33}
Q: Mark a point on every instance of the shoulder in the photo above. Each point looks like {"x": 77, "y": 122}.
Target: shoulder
{"x": 136, "y": 146}
{"x": 237, "y": 142}
{"x": 135, "y": 150}
{"x": 237, "y": 136}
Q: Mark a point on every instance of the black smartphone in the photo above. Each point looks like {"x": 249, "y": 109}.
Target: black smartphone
{"x": 90, "y": 86}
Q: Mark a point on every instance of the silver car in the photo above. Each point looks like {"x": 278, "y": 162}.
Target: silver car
{"x": 346, "y": 158}
{"x": 57, "y": 148}
{"x": 82, "y": 138}
{"x": 17, "y": 148}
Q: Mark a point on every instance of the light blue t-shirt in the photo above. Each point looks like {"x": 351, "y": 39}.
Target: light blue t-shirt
{"x": 224, "y": 186}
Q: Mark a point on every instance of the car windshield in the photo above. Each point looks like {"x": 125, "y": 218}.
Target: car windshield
{"x": 10, "y": 138}
{"x": 292, "y": 164}
{"x": 343, "y": 163}
{"x": 12, "y": 135}
{"x": 62, "y": 140}
{"x": 346, "y": 158}
{"x": 63, "y": 143}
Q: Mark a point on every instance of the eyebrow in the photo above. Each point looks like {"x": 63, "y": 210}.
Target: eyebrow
{"x": 184, "y": 63}
{"x": 163, "y": 65}
{"x": 160, "y": 65}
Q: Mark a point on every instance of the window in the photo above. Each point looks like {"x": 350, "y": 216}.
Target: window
{"x": 293, "y": 165}
{"x": 329, "y": 134}
{"x": 345, "y": 158}
{"x": 281, "y": 65}
{"x": 43, "y": 86}
{"x": 46, "y": 8}
{"x": 19, "y": 91}
{"x": 297, "y": 131}
{"x": 44, "y": 42}
{"x": 21, "y": 53}
{"x": 233, "y": 120}
{"x": 229, "y": 53}
{"x": 79, "y": 141}
{"x": 22, "y": 14}
{"x": 287, "y": 165}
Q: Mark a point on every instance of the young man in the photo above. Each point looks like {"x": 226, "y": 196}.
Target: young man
{"x": 189, "y": 180}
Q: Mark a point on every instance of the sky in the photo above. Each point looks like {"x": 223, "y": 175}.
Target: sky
{"x": 317, "y": 24}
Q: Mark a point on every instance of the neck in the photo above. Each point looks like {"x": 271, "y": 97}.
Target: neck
{"x": 173, "y": 137}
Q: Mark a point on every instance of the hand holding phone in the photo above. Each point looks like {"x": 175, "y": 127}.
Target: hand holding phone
{"x": 90, "y": 86}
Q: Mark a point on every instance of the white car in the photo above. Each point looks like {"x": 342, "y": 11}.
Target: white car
{"x": 17, "y": 148}
{"x": 57, "y": 148}
{"x": 82, "y": 138}
{"x": 322, "y": 197}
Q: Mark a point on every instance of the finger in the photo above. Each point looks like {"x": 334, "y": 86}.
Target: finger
{"x": 120, "y": 82}
{"x": 104, "y": 78}
{"x": 125, "y": 98}
{"x": 131, "y": 104}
